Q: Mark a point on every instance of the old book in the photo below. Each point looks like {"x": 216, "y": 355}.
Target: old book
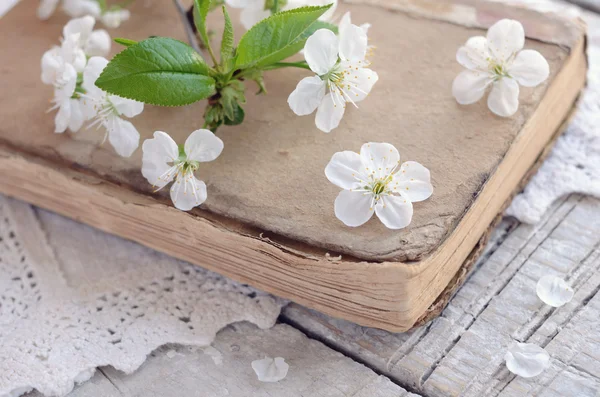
{"x": 269, "y": 218}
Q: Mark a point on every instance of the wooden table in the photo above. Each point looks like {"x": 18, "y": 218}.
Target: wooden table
{"x": 460, "y": 353}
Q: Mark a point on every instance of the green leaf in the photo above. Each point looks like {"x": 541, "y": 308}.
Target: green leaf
{"x": 277, "y": 37}
{"x": 238, "y": 116}
{"x": 319, "y": 25}
{"x": 227, "y": 41}
{"x": 158, "y": 71}
{"x": 125, "y": 42}
{"x": 201, "y": 10}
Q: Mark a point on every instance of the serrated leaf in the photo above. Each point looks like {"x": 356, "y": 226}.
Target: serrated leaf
{"x": 227, "y": 41}
{"x": 201, "y": 10}
{"x": 158, "y": 71}
{"x": 125, "y": 42}
{"x": 319, "y": 25}
{"x": 277, "y": 37}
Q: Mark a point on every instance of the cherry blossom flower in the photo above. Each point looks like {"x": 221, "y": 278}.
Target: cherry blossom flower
{"x": 526, "y": 359}
{"x": 70, "y": 114}
{"x": 73, "y": 8}
{"x": 107, "y": 110}
{"x": 114, "y": 18}
{"x": 554, "y": 291}
{"x": 254, "y": 11}
{"x": 270, "y": 369}
{"x": 55, "y": 59}
{"x": 93, "y": 42}
{"x": 163, "y": 161}
{"x": 374, "y": 181}
{"x": 342, "y": 76}
{"x": 499, "y": 61}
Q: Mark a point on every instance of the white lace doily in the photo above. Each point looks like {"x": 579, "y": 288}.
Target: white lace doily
{"x": 573, "y": 166}
{"x": 100, "y": 300}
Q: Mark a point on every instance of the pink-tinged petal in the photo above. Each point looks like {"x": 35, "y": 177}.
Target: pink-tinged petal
{"x": 395, "y": 212}
{"x": 307, "y": 96}
{"x": 469, "y": 86}
{"x": 504, "y": 98}
{"x": 345, "y": 170}
{"x": 505, "y": 38}
{"x": 353, "y": 208}
{"x": 321, "y": 51}
{"x": 530, "y": 68}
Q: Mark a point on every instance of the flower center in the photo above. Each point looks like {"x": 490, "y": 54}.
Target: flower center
{"x": 379, "y": 187}
{"x": 497, "y": 69}
{"x": 184, "y": 165}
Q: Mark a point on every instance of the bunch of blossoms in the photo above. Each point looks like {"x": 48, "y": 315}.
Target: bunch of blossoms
{"x": 72, "y": 69}
{"x": 111, "y": 17}
{"x": 166, "y": 72}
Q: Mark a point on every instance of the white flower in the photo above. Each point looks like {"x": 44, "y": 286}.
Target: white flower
{"x": 374, "y": 181}
{"x": 498, "y": 61}
{"x": 554, "y": 291}
{"x": 526, "y": 359}
{"x": 114, "y": 18}
{"x": 80, "y": 8}
{"x": 342, "y": 76}
{"x": 70, "y": 114}
{"x": 255, "y": 11}
{"x": 270, "y": 370}
{"x": 73, "y": 8}
{"x": 106, "y": 109}
{"x": 93, "y": 42}
{"x": 162, "y": 161}
{"x": 346, "y": 22}
{"x": 55, "y": 59}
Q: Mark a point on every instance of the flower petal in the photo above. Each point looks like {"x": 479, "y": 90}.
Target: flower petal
{"x": 358, "y": 81}
{"x": 474, "y": 54}
{"x": 379, "y": 159}
{"x": 83, "y": 26}
{"x": 526, "y": 359}
{"x": 505, "y": 38}
{"x": 345, "y": 170}
{"x": 504, "y": 98}
{"x": 307, "y": 96}
{"x": 321, "y": 51}
{"x": 123, "y": 136}
{"x": 530, "y": 68}
{"x": 353, "y": 208}
{"x": 77, "y": 117}
{"x": 395, "y": 212}
{"x": 554, "y": 291}
{"x": 62, "y": 118}
{"x": 469, "y": 86}
{"x": 203, "y": 145}
{"x": 52, "y": 63}
{"x": 239, "y": 3}
{"x": 353, "y": 43}
{"x": 114, "y": 19}
{"x": 46, "y": 8}
{"x": 92, "y": 71}
{"x": 330, "y": 112}
{"x": 159, "y": 153}
{"x": 79, "y": 8}
{"x": 98, "y": 43}
{"x": 188, "y": 192}
{"x": 126, "y": 107}
{"x": 413, "y": 180}
{"x": 270, "y": 370}
{"x": 68, "y": 78}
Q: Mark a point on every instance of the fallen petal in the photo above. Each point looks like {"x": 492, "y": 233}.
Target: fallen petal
{"x": 269, "y": 369}
{"x": 526, "y": 359}
{"x": 554, "y": 291}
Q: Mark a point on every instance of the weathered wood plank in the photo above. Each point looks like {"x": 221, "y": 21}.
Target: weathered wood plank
{"x": 461, "y": 353}
{"x": 224, "y": 369}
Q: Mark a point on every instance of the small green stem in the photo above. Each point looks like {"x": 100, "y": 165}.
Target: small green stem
{"x": 279, "y": 65}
